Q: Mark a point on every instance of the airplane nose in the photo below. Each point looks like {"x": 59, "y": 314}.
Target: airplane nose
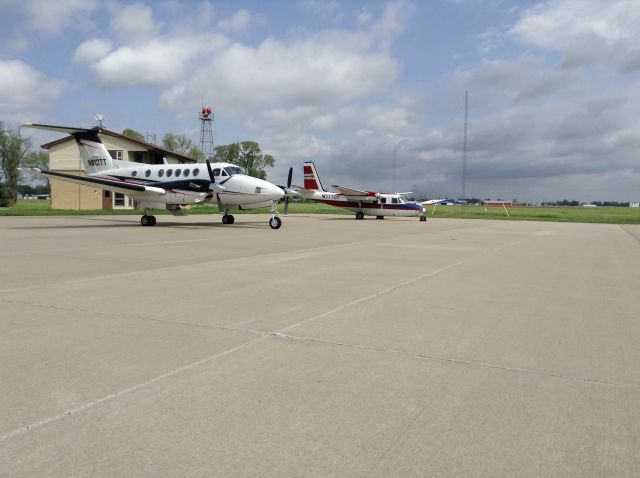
{"x": 275, "y": 193}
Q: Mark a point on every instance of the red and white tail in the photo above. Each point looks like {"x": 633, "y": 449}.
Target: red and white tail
{"x": 311, "y": 178}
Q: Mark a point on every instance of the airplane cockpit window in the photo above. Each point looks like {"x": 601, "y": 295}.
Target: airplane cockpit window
{"x": 401, "y": 201}
{"x": 216, "y": 172}
{"x": 224, "y": 173}
{"x": 394, "y": 200}
{"x": 231, "y": 170}
{"x": 383, "y": 200}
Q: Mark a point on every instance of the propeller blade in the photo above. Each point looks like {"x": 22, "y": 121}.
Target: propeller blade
{"x": 213, "y": 180}
{"x": 290, "y": 177}
{"x": 213, "y": 187}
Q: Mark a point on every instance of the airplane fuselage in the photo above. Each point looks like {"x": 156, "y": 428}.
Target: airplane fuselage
{"x": 384, "y": 205}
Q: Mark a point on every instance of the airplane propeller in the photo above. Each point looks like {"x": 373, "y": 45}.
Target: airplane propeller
{"x": 213, "y": 186}
{"x": 288, "y": 192}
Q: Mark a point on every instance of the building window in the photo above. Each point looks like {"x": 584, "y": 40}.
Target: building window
{"x": 116, "y": 154}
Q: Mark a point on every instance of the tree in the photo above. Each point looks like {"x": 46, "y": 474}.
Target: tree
{"x": 13, "y": 148}
{"x": 248, "y": 156}
{"x": 132, "y": 133}
{"x": 40, "y": 160}
{"x": 181, "y": 144}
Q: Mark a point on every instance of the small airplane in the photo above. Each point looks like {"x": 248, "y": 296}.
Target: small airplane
{"x": 170, "y": 186}
{"x": 361, "y": 202}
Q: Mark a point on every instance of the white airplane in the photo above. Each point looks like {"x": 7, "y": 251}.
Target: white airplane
{"x": 170, "y": 186}
{"x": 361, "y": 202}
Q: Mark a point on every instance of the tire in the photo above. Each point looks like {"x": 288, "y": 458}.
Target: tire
{"x": 145, "y": 221}
{"x": 359, "y": 215}
{"x": 275, "y": 222}
{"x": 231, "y": 219}
{"x": 153, "y": 220}
{"x": 226, "y": 219}
{"x": 379, "y": 217}
{"x": 423, "y": 219}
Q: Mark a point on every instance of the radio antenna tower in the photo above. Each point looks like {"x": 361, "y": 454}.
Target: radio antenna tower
{"x": 206, "y": 131}
{"x": 464, "y": 148}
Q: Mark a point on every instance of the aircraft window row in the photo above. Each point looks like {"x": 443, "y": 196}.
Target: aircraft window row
{"x": 178, "y": 172}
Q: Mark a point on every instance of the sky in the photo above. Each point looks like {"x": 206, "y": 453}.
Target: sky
{"x": 372, "y": 91}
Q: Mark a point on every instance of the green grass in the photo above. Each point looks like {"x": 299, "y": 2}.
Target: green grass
{"x": 603, "y": 215}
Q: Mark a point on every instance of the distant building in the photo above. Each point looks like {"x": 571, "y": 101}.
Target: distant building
{"x": 497, "y": 203}
{"x": 64, "y": 157}
{"x": 634, "y": 204}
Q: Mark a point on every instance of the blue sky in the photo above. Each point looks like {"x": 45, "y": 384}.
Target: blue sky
{"x": 553, "y": 86}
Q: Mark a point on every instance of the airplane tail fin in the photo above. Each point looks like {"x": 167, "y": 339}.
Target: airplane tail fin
{"x": 94, "y": 154}
{"x": 311, "y": 178}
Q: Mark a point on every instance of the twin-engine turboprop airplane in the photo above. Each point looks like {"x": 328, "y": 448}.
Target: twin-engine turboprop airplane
{"x": 170, "y": 186}
{"x": 361, "y": 202}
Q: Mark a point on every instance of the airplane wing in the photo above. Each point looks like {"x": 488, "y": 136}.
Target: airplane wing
{"x": 356, "y": 194}
{"x": 432, "y": 201}
{"x": 104, "y": 183}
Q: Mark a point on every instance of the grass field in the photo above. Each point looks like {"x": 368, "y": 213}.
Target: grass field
{"x": 604, "y": 215}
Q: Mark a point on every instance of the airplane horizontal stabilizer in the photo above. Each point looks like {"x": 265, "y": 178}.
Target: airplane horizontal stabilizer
{"x": 109, "y": 184}
{"x": 60, "y": 129}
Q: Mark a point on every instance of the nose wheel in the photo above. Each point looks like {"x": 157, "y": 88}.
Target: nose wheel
{"x": 148, "y": 220}
{"x": 228, "y": 219}
{"x": 275, "y": 222}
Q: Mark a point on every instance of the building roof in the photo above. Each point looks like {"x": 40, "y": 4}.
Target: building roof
{"x": 148, "y": 146}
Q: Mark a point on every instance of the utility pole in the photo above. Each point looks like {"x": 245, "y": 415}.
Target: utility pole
{"x": 464, "y": 148}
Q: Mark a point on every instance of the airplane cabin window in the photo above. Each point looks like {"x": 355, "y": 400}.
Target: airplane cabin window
{"x": 394, "y": 200}
{"x": 161, "y": 173}
{"x": 147, "y": 173}
{"x": 169, "y": 172}
{"x": 134, "y": 173}
{"x": 186, "y": 173}
{"x": 177, "y": 172}
{"x": 196, "y": 172}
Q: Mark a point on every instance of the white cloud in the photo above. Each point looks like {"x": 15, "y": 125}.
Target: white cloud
{"x": 158, "y": 62}
{"x": 134, "y": 22}
{"x": 594, "y": 31}
{"x": 25, "y": 91}
{"x": 92, "y": 50}
{"x": 53, "y": 17}
{"x": 238, "y": 22}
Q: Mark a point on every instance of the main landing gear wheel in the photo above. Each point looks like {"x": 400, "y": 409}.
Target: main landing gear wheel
{"x": 359, "y": 215}
{"x": 228, "y": 219}
{"x": 148, "y": 220}
{"x": 379, "y": 217}
{"x": 423, "y": 219}
{"x": 275, "y": 222}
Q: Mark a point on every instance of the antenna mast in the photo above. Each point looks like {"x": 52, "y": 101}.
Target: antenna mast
{"x": 464, "y": 148}
{"x": 206, "y": 131}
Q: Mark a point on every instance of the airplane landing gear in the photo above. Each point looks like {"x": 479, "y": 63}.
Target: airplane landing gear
{"x": 423, "y": 218}
{"x": 275, "y": 222}
{"x": 228, "y": 219}
{"x": 359, "y": 215}
{"x": 379, "y": 217}
{"x": 147, "y": 219}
